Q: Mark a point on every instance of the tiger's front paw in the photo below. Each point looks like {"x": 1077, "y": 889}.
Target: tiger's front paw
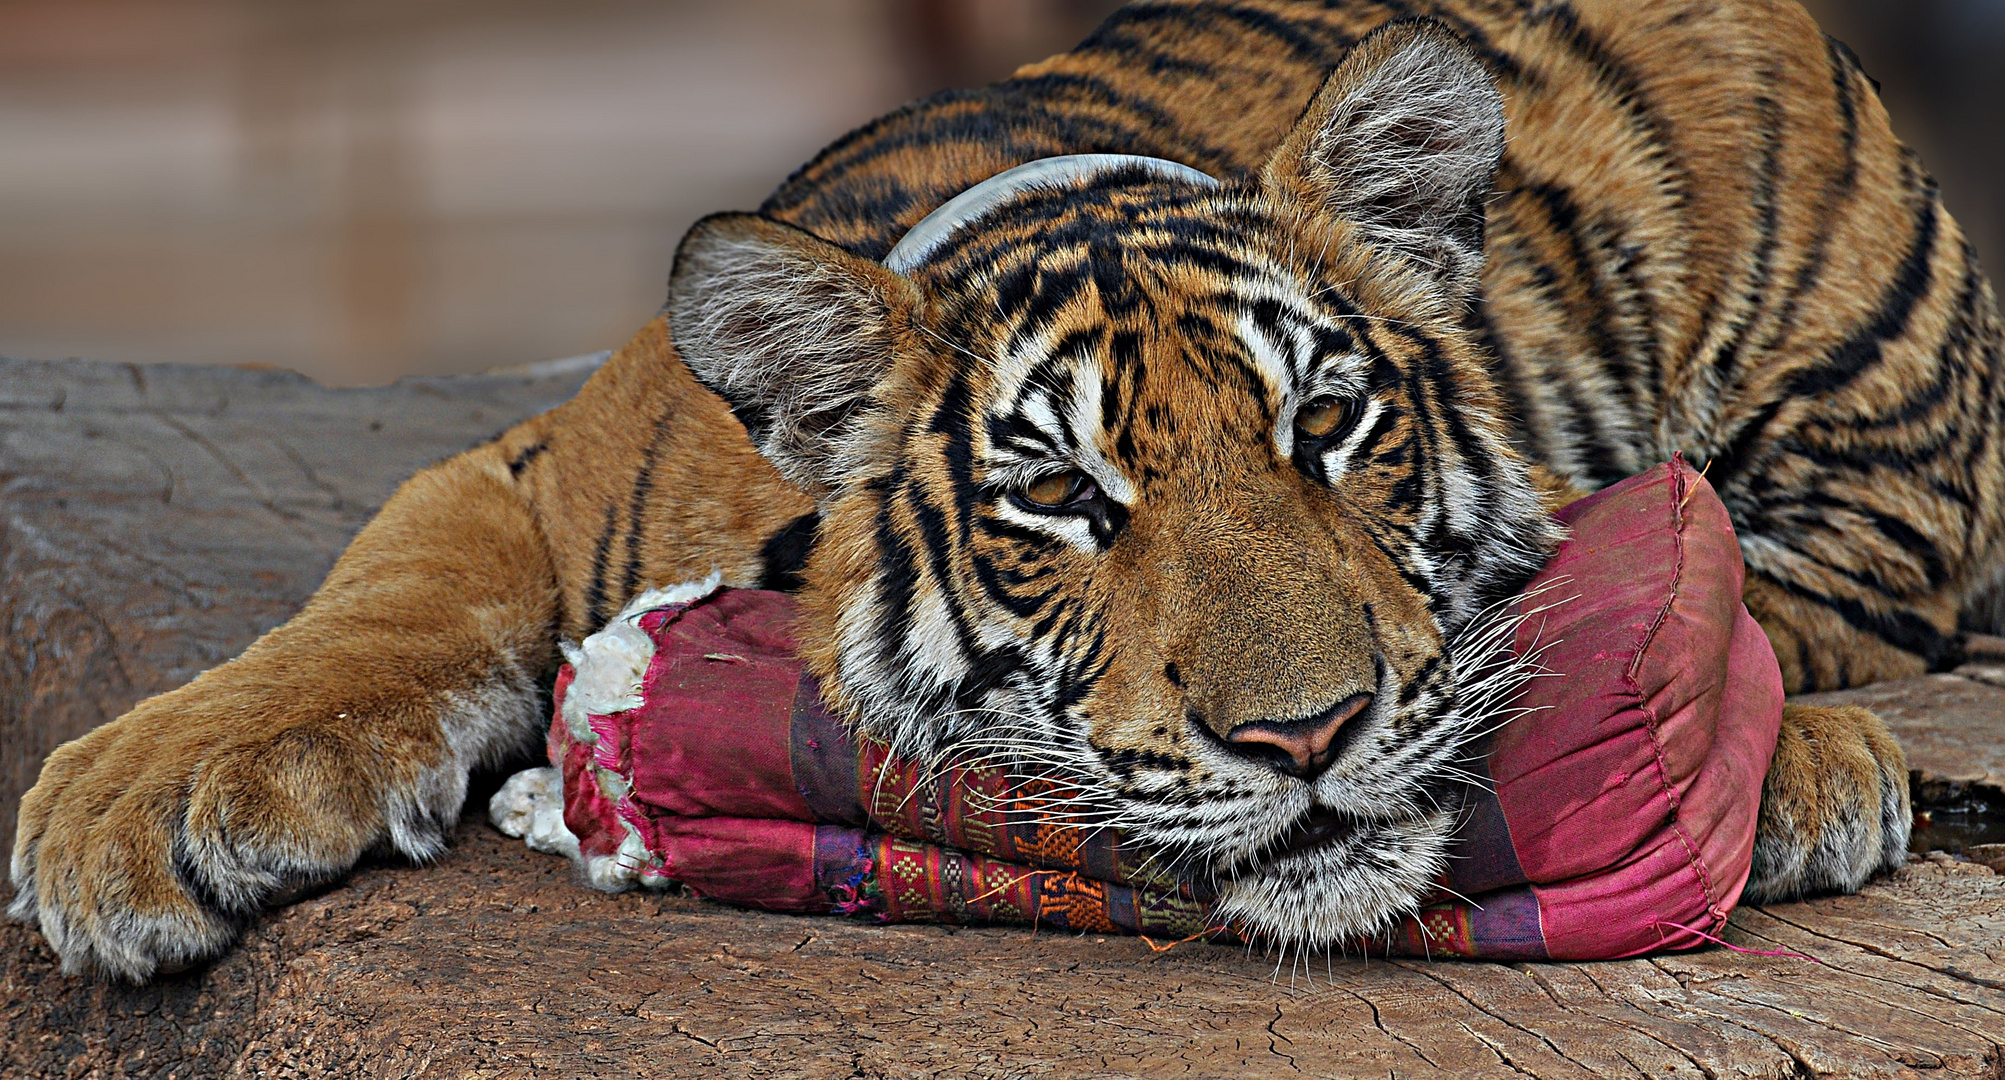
{"x": 1834, "y": 809}
{"x": 147, "y": 844}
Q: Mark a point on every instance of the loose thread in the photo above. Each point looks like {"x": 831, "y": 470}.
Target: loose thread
{"x": 1153, "y": 947}
{"x": 1011, "y": 884}
{"x": 1660, "y": 924}
{"x": 1689, "y": 492}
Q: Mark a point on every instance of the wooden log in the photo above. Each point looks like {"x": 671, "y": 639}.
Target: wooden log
{"x": 154, "y": 520}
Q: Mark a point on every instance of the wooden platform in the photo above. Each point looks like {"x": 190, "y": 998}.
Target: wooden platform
{"x": 153, "y": 520}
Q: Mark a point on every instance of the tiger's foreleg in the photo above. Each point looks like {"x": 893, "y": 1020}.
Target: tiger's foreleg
{"x": 1834, "y": 807}
{"x": 148, "y": 843}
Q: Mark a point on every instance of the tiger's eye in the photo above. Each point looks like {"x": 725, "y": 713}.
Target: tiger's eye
{"x": 1054, "y": 490}
{"x": 1321, "y": 417}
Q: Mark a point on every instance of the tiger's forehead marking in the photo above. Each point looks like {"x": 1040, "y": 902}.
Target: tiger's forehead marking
{"x": 1059, "y": 393}
{"x": 1063, "y": 381}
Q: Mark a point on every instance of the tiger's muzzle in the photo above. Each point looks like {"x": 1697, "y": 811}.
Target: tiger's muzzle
{"x": 1299, "y": 748}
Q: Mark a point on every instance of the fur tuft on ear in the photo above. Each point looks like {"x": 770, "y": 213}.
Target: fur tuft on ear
{"x": 794, "y": 332}
{"x": 1402, "y": 141}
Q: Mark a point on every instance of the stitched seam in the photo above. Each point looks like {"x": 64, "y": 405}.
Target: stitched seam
{"x": 1649, "y": 714}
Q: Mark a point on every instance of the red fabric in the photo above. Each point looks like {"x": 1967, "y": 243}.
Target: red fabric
{"x": 712, "y": 734}
{"x": 1624, "y": 804}
{"x": 757, "y": 862}
{"x": 1632, "y": 799}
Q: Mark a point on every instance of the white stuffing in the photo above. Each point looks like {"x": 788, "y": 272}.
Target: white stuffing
{"x": 608, "y": 669}
{"x": 611, "y": 663}
{"x": 531, "y": 806}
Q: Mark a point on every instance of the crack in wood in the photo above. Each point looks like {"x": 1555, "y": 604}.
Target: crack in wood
{"x": 1889, "y": 955}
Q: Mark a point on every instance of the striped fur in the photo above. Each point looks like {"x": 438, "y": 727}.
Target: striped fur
{"x": 1704, "y": 239}
{"x": 1697, "y": 234}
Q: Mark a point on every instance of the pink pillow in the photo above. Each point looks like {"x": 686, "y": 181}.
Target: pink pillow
{"x": 1622, "y": 820}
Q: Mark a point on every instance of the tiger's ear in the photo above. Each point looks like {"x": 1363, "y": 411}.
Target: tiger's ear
{"x": 1402, "y": 141}
{"x": 793, "y": 332}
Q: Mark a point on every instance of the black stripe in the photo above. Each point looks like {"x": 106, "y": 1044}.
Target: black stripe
{"x": 1115, "y": 39}
{"x": 1863, "y": 350}
{"x": 1903, "y": 630}
{"x": 954, "y": 418}
{"x": 987, "y": 670}
{"x": 1858, "y": 459}
{"x": 897, "y": 574}
{"x": 1578, "y": 422}
{"x": 1055, "y": 288}
{"x": 1089, "y": 232}
{"x": 1627, "y": 88}
{"x": 1028, "y": 541}
{"x": 1563, "y": 217}
{"x": 1836, "y": 191}
{"x": 1769, "y": 218}
{"x": 1187, "y": 21}
{"x": 1911, "y": 541}
{"x": 938, "y": 543}
{"x": 595, "y": 595}
{"x": 1429, "y": 668}
{"x": 1019, "y": 120}
{"x": 1617, "y": 76}
{"x": 1051, "y": 90}
{"x": 1084, "y": 668}
{"x": 1510, "y": 380}
{"x": 1851, "y": 358}
{"x": 637, "y": 507}
{"x": 1446, "y": 390}
{"x": 785, "y": 553}
{"x": 526, "y": 455}
{"x": 1381, "y": 539}
{"x": 1951, "y": 368}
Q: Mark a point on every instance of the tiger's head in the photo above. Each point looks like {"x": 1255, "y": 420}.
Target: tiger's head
{"x": 1186, "y": 491}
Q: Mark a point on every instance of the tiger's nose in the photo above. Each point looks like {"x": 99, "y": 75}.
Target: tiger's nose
{"x": 1301, "y": 748}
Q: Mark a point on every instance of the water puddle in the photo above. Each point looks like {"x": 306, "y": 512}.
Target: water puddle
{"x": 1955, "y": 819}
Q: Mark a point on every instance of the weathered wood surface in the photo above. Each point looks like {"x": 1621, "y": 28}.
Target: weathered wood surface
{"x": 496, "y": 963}
{"x": 153, "y": 520}
{"x": 1951, "y": 725}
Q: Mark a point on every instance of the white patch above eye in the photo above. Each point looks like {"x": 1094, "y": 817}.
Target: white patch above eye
{"x": 1069, "y": 420}
{"x": 1036, "y": 408}
{"x": 1084, "y": 420}
{"x": 1289, "y": 359}
{"x": 1277, "y": 361}
{"x": 1071, "y": 528}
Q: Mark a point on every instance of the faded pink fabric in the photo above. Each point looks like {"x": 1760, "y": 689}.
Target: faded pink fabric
{"x": 712, "y": 735}
{"x": 1632, "y": 800}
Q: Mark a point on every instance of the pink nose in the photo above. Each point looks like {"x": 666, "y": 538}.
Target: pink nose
{"x": 1305, "y": 745}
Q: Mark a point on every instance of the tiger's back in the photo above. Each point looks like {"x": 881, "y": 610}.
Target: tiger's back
{"x": 1705, "y": 239}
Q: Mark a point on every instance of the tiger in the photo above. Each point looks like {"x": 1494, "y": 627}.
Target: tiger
{"x": 1190, "y": 460}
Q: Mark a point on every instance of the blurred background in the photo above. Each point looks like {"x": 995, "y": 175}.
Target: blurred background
{"x": 363, "y": 189}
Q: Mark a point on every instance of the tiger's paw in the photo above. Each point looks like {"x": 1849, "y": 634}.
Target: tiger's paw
{"x": 147, "y": 845}
{"x": 1834, "y": 808}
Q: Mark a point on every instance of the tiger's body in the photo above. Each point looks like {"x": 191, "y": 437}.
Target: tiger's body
{"x": 1192, "y": 489}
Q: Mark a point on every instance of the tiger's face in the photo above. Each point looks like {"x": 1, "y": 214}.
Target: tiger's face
{"x": 1188, "y": 494}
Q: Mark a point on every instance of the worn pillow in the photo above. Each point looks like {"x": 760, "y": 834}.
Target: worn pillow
{"x": 693, "y": 747}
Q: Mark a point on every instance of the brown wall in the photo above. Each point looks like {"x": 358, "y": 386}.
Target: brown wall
{"x": 1941, "y": 69}
{"x": 364, "y": 188}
